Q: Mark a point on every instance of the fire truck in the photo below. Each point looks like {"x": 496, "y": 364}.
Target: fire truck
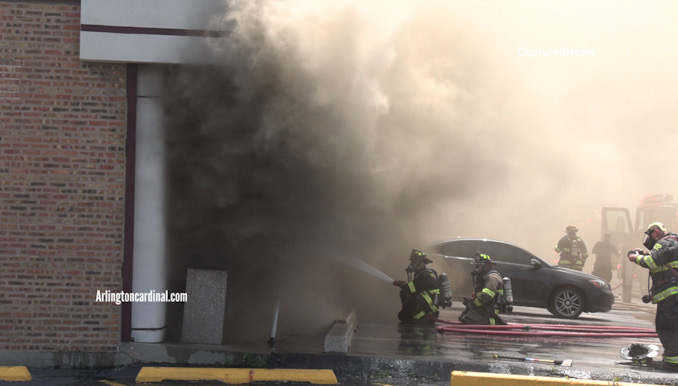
{"x": 628, "y": 234}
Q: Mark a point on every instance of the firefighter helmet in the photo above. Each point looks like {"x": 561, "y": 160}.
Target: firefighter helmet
{"x": 640, "y": 353}
{"x": 482, "y": 263}
{"x": 650, "y": 240}
{"x": 418, "y": 261}
{"x": 655, "y": 225}
{"x": 419, "y": 256}
{"x": 571, "y": 228}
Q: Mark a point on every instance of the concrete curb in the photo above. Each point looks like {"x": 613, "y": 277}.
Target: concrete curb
{"x": 338, "y": 339}
{"x": 227, "y": 375}
{"x": 14, "y": 373}
{"x": 468, "y": 378}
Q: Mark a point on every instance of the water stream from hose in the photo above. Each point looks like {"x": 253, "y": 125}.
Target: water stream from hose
{"x": 363, "y": 266}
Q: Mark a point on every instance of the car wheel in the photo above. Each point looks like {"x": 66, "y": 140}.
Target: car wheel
{"x": 566, "y": 303}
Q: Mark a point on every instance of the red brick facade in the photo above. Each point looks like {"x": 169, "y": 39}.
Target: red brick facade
{"x": 62, "y": 183}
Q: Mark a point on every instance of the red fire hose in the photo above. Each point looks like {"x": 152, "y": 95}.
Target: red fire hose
{"x": 549, "y": 330}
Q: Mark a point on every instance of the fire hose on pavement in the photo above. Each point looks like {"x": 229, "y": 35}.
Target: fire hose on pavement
{"x": 554, "y": 330}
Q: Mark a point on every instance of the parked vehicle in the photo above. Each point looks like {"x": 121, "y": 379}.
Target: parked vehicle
{"x": 565, "y": 293}
{"x": 617, "y": 222}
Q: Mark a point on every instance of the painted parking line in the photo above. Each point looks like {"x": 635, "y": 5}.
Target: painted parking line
{"x": 228, "y": 375}
{"x": 14, "y": 373}
{"x": 468, "y": 378}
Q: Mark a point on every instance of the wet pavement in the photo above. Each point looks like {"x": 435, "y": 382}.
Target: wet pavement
{"x": 394, "y": 354}
{"x": 592, "y": 357}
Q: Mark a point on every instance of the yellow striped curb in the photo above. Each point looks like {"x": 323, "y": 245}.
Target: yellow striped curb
{"x": 111, "y": 383}
{"x": 468, "y": 378}
{"x": 14, "y": 373}
{"x": 160, "y": 374}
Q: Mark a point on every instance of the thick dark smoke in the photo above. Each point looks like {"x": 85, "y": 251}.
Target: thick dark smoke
{"x": 352, "y": 128}
{"x": 278, "y": 213}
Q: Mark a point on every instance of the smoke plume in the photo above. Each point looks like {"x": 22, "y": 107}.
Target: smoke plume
{"x": 348, "y": 128}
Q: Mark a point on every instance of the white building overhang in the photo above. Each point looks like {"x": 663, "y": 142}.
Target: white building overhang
{"x": 149, "y": 31}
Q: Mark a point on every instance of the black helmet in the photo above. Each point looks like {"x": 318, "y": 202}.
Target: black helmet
{"x": 417, "y": 256}
{"x": 418, "y": 260}
{"x": 482, "y": 263}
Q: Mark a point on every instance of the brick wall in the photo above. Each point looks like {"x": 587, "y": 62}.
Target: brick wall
{"x": 62, "y": 176}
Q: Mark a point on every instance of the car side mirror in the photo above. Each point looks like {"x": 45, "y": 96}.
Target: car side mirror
{"x": 535, "y": 264}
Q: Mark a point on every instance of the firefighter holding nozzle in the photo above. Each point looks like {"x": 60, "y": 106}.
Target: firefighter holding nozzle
{"x": 662, "y": 262}
{"x": 488, "y": 299}
{"x": 420, "y": 295}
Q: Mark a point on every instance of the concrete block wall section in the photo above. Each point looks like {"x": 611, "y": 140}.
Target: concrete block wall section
{"x": 204, "y": 311}
{"x": 62, "y": 172}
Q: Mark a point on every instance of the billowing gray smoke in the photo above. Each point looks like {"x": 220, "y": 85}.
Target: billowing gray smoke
{"x": 353, "y": 128}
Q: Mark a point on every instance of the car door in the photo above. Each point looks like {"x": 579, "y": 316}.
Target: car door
{"x": 527, "y": 282}
{"x": 617, "y": 222}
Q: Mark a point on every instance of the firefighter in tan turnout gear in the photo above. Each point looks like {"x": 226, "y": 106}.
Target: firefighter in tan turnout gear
{"x": 573, "y": 253}
{"x": 487, "y": 299}
{"x": 662, "y": 261}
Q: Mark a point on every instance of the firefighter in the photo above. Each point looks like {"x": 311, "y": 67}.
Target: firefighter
{"x": 604, "y": 250}
{"x": 419, "y": 295}
{"x": 662, "y": 261}
{"x": 572, "y": 250}
{"x": 484, "y": 305}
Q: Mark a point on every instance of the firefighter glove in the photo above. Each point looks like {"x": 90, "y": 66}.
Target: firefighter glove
{"x": 633, "y": 255}
{"x": 469, "y": 303}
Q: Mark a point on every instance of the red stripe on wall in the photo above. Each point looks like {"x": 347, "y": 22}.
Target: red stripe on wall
{"x": 130, "y": 168}
{"x": 150, "y": 31}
